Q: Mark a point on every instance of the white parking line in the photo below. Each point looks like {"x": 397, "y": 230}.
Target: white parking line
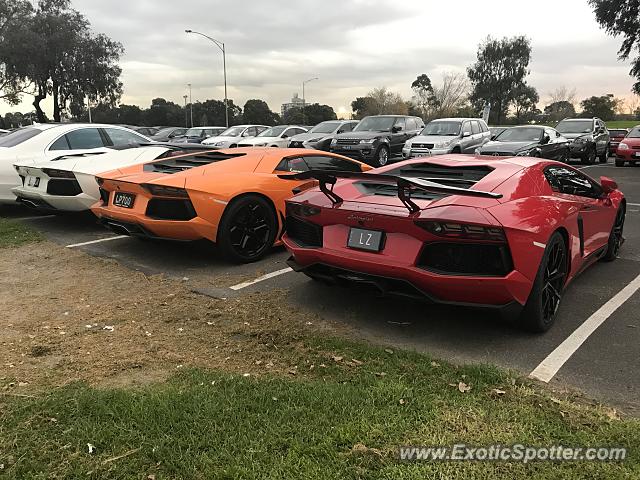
{"x": 556, "y": 359}
{"x": 34, "y": 217}
{"x": 240, "y": 286}
{"x": 108, "y": 239}
{"x": 634, "y": 204}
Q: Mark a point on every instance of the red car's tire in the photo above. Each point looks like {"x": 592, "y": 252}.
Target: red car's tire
{"x": 540, "y": 311}
{"x": 248, "y": 229}
{"x": 616, "y": 238}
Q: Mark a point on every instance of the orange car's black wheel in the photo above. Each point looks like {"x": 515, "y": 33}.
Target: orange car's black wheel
{"x": 248, "y": 229}
{"x": 540, "y": 310}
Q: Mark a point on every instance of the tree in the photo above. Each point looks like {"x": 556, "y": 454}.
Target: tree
{"x": 603, "y": 107}
{"x": 163, "y": 112}
{"x": 423, "y": 96}
{"x": 313, "y": 114}
{"x": 500, "y": 69}
{"x": 451, "y": 95}
{"x": 524, "y": 102}
{"x": 14, "y": 15}
{"x": 212, "y": 113}
{"x": 563, "y": 94}
{"x": 559, "y": 110}
{"x": 622, "y": 18}
{"x": 258, "y": 112}
{"x": 379, "y": 101}
{"x": 66, "y": 60}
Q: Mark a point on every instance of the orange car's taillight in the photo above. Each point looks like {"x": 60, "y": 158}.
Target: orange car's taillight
{"x": 162, "y": 191}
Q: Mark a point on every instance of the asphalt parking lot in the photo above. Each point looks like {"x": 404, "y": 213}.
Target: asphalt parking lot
{"x": 602, "y": 362}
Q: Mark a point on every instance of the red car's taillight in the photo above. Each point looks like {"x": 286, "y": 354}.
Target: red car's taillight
{"x": 463, "y": 231}
{"x": 302, "y": 209}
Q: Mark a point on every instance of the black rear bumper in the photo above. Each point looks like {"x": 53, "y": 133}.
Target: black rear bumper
{"x": 391, "y": 287}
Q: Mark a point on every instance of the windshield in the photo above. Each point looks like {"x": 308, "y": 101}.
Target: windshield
{"x": 575, "y": 126}
{"x": 520, "y": 135}
{"x": 445, "y": 129}
{"x": 617, "y": 133}
{"x": 19, "y": 136}
{"x": 375, "y": 124}
{"x": 233, "y": 132}
{"x": 634, "y": 133}
{"x": 194, "y": 132}
{"x": 325, "y": 127}
{"x": 273, "y": 131}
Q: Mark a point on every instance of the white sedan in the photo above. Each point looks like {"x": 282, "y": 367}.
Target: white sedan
{"x": 69, "y": 184}
{"x": 274, "y": 137}
{"x": 234, "y": 135}
{"x": 50, "y": 142}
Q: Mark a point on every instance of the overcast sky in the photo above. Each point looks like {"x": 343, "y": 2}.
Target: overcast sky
{"x": 351, "y": 45}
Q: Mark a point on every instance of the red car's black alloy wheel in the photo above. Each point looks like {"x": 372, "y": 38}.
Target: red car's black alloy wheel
{"x": 250, "y": 229}
{"x": 618, "y": 228}
{"x": 553, "y": 280}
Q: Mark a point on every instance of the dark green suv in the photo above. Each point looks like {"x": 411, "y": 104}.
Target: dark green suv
{"x": 377, "y": 138}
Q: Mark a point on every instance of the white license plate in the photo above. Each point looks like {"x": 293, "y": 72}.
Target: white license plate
{"x": 33, "y": 181}
{"x": 346, "y": 147}
{"x": 370, "y": 240}
{"x": 637, "y": 154}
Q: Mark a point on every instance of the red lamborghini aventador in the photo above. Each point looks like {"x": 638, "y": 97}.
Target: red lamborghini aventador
{"x": 508, "y": 232}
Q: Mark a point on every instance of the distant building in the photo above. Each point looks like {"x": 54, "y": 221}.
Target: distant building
{"x": 296, "y": 102}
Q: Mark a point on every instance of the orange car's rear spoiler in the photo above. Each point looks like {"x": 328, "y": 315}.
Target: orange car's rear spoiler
{"x": 405, "y": 185}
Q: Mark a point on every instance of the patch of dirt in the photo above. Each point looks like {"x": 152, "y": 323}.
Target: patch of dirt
{"x": 67, "y": 316}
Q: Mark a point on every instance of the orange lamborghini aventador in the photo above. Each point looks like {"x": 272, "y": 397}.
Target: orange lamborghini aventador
{"x": 231, "y": 197}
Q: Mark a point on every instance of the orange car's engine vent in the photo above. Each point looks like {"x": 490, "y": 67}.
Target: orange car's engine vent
{"x": 179, "y": 164}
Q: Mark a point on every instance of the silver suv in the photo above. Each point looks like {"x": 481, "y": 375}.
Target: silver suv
{"x": 448, "y": 135}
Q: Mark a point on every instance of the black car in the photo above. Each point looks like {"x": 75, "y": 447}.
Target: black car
{"x": 169, "y": 133}
{"x": 320, "y": 136}
{"x": 589, "y": 138}
{"x": 198, "y": 134}
{"x": 375, "y": 139}
{"x": 528, "y": 141}
{"x": 495, "y": 131}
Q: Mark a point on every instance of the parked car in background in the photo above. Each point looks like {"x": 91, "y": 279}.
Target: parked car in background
{"x": 234, "y": 135}
{"x": 320, "y": 136}
{"x": 48, "y": 142}
{"x": 168, "y": 134}
{"x": 198, "y": 134}
{"x": 498, "y": 233}
{"x": 277, "y": 136}
{"x": 448, "y": 135}
{"x": 629, "y": 148}
{"x": 146, "y": 131}
{"x": 529, "y": 141}
{"x": 4, "y": 132}
{"x": 377, "y": 138}
{"x": 615, "y": 137}
{"x": 69, "y": 183}
{"x": 588, "y": 137}
{"x": 495, "y": 131}
{"x": 231, "y": 197}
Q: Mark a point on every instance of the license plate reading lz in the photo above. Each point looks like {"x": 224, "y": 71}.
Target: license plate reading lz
{"x": 370, "y": 240}
{"x": 124, "y": 200}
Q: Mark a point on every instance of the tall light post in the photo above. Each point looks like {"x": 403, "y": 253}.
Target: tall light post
{"x": 186, "y": 122}
{"x": 190, "y": 104}
{"x": 304, "y": 98}
{"x": 221, "y": 46}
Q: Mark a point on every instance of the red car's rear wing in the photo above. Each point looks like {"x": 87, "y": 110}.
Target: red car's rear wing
{"x": 404, "y": 184}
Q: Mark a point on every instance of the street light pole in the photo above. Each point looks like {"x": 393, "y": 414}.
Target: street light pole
{"x": 222, "y": 48}
{"x": 304, "y": 98}
{"x": 186, "y": 122}
{"x": 190, "y": 104}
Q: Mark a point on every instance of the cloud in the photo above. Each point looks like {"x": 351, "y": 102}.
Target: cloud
{"x": 351, "y": 45}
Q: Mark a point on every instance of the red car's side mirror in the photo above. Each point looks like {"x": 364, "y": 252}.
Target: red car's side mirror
{"x": 608, "y": 185}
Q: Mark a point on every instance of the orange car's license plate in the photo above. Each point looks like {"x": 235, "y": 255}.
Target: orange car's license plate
{"x": 124, "y": 200}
